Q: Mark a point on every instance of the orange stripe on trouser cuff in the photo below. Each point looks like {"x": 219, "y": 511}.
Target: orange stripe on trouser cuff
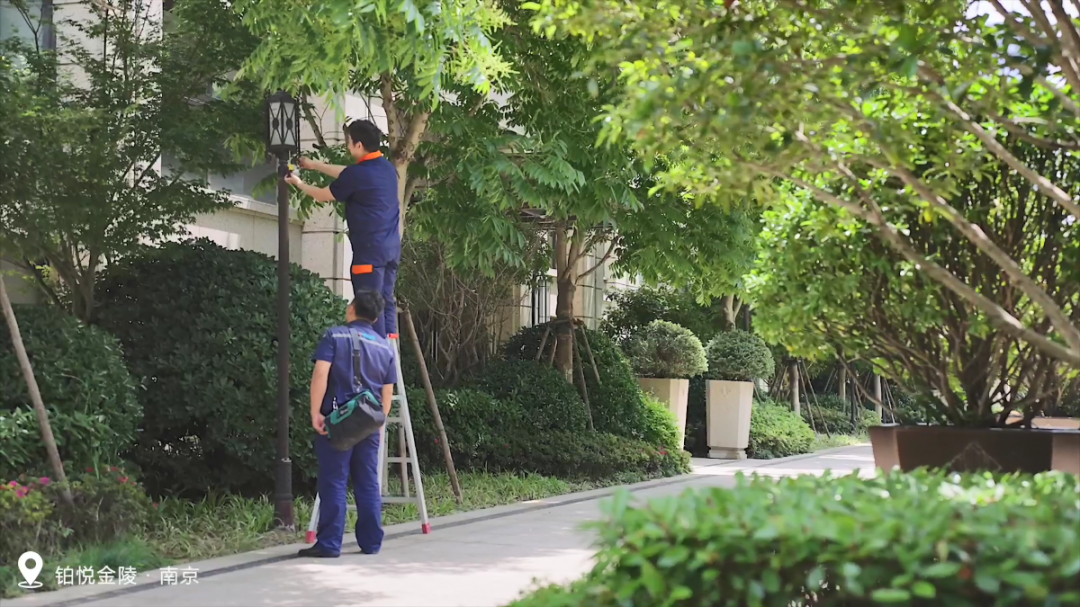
{"x": 362, "y": 269}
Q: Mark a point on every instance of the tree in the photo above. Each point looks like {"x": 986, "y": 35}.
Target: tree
{"x": 406, "y": 55}
{"x": 499, "y": 170}
{"x": 825, "y": 284}
{"x": 834, "y": 96}
{"x": 90, "y": 184}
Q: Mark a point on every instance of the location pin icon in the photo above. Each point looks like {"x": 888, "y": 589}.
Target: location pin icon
{"x": 30, "y": 564}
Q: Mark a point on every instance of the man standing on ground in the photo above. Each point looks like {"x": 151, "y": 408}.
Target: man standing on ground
{"x": 369, "y": 190}
{"x": 333, "y": 383}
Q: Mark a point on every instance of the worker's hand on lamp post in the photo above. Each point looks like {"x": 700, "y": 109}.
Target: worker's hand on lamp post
{"x": 308, "y": 164}
{"x": 294, "y": 179}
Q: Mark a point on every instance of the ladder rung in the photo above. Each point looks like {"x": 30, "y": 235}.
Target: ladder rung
{"x": 397, "y": 499}
{"x": 399, "y": 460}
{"x": 393, "y": 419}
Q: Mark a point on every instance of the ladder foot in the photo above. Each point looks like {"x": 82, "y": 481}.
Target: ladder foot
{"x": 310, "y": 539}
{"x": 426, "y": 528}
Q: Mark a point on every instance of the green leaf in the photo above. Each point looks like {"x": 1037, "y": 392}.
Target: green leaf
{"x": 890, "y": 595}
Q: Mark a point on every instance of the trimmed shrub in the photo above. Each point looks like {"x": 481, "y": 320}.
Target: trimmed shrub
{"x": 775, "y": 431}
{"x": 665, "y": 349}
{"x": 88, "y": 391}
{"x": 198, "y": 326}
{"x": 661, "y": 425}
{"x": 922, "y": 538}
{"x": 488, "y": 434}
{"x": 26, "y": 521}
{"x": 617, "y": 402}
{"x": 632, "y": 310}
{"x": 544, "y": 398}
{"x": 739, "y": 356}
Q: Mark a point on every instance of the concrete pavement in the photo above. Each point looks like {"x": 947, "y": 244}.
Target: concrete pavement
{"x": 486, "y": 559}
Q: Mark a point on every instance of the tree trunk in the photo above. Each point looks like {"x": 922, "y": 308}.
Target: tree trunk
{"x": 35, "y": 395}
{"x": 796, "y": 406}
{"x": 729, "y": 313}
{"x": 566, "y": 285}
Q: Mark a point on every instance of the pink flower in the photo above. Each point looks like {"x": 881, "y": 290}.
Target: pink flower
{"x": 91, "y": 470}
{"x": 155, "y": 504}
{"x": 44, "y": 481}
{"x": 113, "y": 469}
{"x": 123, "y": 479}
{"x": 21, "y": 492}
{"x": 13, "y": 484}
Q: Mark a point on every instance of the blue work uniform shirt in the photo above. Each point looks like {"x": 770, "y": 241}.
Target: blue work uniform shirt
{"x": 369, "y": 190}
{"x": 377, "y": 366}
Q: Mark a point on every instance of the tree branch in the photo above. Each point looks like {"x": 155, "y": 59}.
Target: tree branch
{"x": 1046, "y": 186}
{"x": 309, "y": 116}
{"x": 997, "y": 314}
{"x": 603, "y": 260}
{"x": 393, "y": 125}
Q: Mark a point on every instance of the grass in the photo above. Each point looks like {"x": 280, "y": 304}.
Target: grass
{"x": 220, "y": 525}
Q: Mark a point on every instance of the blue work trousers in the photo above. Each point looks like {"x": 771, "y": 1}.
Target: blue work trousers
{"x": 380, "y": 278}
{"x": 335, "y": 467}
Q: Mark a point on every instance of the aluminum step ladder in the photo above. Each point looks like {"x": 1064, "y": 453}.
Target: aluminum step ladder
{"x": 399, "y": 417}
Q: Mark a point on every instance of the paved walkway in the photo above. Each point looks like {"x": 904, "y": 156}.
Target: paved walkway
{"x": 484, "y": 563}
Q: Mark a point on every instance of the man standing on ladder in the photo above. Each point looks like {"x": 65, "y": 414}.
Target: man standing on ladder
{"x": 332, "y": 383}
{"x": 369, "y": 190}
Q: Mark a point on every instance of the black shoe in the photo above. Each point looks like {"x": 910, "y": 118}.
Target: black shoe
{"x": 317, "y": 552}
{"x": 365, "y": 552}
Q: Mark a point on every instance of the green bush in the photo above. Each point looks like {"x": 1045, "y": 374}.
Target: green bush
{"x": 661, "y": 425}
{"x": 632, "y": 310}
{"x": 107, "y": 505}
{"x": 664, "y": 349}
{"x": 617, "y": 402}
{"x": 924, "y": 538}
{"x": 546, "y": 399}
{"x": 87, "y": 389}
{"x": 775, "y": 431}
{"x": 739, "y": 356}
{"x": 27, "y": 520}
{"x": 198, "y": 326}
{"x": 488, "y": 434}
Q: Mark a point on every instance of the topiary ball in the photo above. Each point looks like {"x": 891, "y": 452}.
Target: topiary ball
{"x": 739, "y": 356}
{"x": 664, "y": 349}
{"x": 87, "y": 390}
{"x": 198, "y": 325}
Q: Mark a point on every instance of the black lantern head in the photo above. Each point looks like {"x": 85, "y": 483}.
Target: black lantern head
{"x": 282, "y": 124}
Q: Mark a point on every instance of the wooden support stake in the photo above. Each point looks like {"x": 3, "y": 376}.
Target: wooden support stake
{"x": 592, "y": 359}
{"x": 543, "y": 342}
{"x": 581, "y": 377}
{"x": 433, "y": 406}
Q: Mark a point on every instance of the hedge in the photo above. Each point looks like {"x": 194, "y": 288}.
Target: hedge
{"x": 776, "y": 431}
{"x": 925, "y": 538}
{"x": 617, "y": 402}
{"x": 544, "y": 397}
{"x": 489, "y": 434}
{"x": 832, "y": 415}
{"x": 87, "y": 389}
{"x": 198, "y": 325}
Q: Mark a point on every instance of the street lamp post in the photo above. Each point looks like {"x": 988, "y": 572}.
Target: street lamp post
{"x": 283, "y": 140}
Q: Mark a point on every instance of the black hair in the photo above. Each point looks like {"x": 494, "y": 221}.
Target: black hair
{"x": 364, "y": 132}
{"x": 368, "y": 305}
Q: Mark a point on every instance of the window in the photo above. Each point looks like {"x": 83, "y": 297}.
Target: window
{"x": 541, "y": 304}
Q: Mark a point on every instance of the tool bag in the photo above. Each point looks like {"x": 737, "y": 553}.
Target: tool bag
{"x": 358, "y": 418}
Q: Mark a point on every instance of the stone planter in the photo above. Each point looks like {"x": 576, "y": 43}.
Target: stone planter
{"x": 672, "y": 392}
{"x": 976, "y": 449}
{"x": 728, "y": 405}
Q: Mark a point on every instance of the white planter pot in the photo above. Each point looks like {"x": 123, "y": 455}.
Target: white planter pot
{"x": 728, "y": 405}
{"x": 672, "y": 392}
